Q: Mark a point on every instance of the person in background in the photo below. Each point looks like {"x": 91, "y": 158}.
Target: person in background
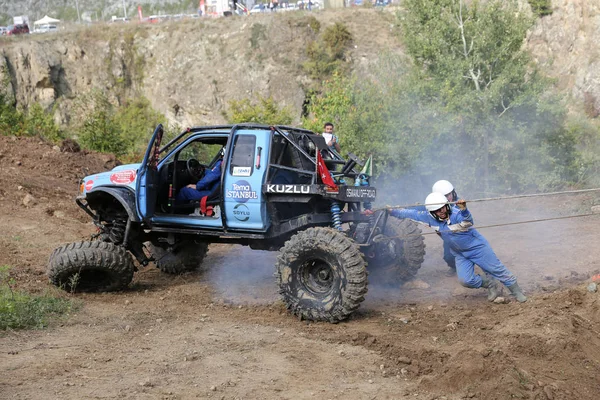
{"x": 330, "y": 138}
{"x": 467, "y": 245}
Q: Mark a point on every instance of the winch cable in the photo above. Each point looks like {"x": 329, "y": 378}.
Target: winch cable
{"x": 497, "y": 225}
{"x": 519, "y": 196}
{"x": 496, "y": 199}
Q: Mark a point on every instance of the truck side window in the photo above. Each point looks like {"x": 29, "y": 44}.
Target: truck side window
{"x": 243, "y": 154}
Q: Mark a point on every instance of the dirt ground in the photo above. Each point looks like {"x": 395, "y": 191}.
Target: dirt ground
{"x": 223, "y": 334}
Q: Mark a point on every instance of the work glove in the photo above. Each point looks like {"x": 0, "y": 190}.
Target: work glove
{"x": 461, "y": 204}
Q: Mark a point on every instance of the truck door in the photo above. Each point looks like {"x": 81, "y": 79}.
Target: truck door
{"x": 147, "y": 177}
{"x": 245, "y": 207}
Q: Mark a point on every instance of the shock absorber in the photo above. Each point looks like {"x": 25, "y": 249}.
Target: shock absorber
{"x": 363, "y": 180}
{"x": 336, "y": 218}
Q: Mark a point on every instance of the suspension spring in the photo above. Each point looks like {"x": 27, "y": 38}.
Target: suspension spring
{"x": 116, "y": 232}
{"x": 336, "y": 218}
{"x": 364, "y": 181}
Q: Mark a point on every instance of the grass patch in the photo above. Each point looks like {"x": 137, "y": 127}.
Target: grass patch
{"x": 20, "y": 310}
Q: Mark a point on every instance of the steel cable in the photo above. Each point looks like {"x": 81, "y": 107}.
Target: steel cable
{"x": 495, "y": 199}
{"x": 496, "y": 225}
{"x": 520, "y": 196}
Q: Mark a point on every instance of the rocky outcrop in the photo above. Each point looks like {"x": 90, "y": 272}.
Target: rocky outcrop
{"x": 565, "y": 45}
{"x": 190, "y": 69}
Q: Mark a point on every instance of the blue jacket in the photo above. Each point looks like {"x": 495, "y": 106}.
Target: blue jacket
{"x": 457, "y": 232}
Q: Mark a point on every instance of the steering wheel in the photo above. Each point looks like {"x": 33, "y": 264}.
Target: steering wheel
{"x": 195, "y": 169}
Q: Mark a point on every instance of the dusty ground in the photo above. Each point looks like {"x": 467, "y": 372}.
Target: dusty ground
{"x": 225, "y": 335}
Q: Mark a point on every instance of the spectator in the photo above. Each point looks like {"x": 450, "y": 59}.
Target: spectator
{"x": 330, "y": 138}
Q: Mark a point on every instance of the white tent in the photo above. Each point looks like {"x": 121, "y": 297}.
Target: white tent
{"x": 46, "y": 21}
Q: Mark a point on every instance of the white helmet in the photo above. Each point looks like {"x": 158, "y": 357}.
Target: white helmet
{"x": 444, "y": 187}
{"x": 435, "y": 201}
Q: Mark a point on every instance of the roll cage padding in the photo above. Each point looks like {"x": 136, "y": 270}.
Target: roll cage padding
{"x": 125, "y": 196}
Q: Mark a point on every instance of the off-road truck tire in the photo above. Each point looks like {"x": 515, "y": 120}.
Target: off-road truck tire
{"x": 91, "y": 267}
{"x": 321, "y": 274}
{"x": 409, "y": 247}
{"x": 187, "y": 258}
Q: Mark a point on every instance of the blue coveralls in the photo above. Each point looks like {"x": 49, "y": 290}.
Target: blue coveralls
{"x": 448, "y": 256}
{"x": 204, "y": 187}
{"x": 468, "y": 247}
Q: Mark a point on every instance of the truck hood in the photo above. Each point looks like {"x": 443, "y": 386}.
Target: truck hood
{"x": 123, "y": 175}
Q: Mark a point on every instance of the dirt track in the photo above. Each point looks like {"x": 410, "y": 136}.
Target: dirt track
{"x": 224, "y": 334}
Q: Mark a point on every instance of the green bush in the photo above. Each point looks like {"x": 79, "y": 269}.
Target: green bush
{"x": 313, "y": 24}
{"x": 258, "y": 34}
{"x": 541, "y": 7}
{"x": 19, "y": 310}
{"x": 40, "y": 123}
{"x": 337, "y": 39}
{"x": 34, "y": 122}
{"x": 327, "y": 54}
{"x": 123, "y": 131}
{"x": 100, "y": 132}
{"x": 12, "y": 121}
{"x": 137, "y": 120}
{"x": 265, "y": 111}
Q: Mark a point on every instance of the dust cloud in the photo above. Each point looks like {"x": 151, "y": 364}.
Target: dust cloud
{"x": 240, "y": 275}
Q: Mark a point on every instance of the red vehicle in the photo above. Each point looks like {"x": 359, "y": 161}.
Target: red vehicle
{"x": 17, "y": 29}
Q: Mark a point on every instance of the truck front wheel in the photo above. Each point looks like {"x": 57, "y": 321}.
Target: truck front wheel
{"x": 91, "y": 267}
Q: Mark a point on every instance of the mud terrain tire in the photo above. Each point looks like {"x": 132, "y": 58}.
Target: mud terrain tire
{"x": 187, "y": 258}
{"x": 91, "y": 267}
{"x": 321, "y": 275}
{"x": 410, "y": 251}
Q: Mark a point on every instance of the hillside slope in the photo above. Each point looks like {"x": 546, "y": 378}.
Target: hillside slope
{"x": 225, "y": 334}
{"x": 190, "y": 69}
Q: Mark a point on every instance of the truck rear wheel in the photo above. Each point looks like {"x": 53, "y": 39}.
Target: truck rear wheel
{"x": 91, "y": 267}
{"x": 187, "y": 257}
{"x": 321, "y": 275}
{"x": 398, "y": 254}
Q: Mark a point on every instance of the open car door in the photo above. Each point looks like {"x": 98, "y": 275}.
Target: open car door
{"x": 147, "y": 179}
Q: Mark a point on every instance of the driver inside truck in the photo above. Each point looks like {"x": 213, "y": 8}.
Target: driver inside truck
{"x": 204, "y": 187}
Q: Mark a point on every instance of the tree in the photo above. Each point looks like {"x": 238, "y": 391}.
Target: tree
{"x": 470, "y": 60}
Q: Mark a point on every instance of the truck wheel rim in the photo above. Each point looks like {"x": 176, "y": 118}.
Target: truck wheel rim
{"x": 317, "y": 276}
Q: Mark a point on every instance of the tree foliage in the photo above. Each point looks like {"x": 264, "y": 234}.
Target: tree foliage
{"x": 541, "y": 7}
{"x": 33, "y": 122}
{"x": 471, "y": 107}
{"x": 327, "y": 54}
{"x": 121, "y": 130}
{"x": 264, "y": 111}
{"x": 470, "y": 59}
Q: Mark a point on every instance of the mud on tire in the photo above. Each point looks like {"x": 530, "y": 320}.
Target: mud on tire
{"x": 90, "y": 267}
{"x": 187, "y": 258}
{"x": 409, "y": 246}
{"x": 321, "y": 275}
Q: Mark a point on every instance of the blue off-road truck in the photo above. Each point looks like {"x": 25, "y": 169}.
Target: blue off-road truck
{"x": 281, "y": 189}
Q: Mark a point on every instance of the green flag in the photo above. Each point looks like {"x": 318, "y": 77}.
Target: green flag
{"x": 368, "y": 168}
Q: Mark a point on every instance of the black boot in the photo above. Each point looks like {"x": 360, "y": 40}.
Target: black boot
{"x": 516, "y": 291}
{"x": 492, "y": 287}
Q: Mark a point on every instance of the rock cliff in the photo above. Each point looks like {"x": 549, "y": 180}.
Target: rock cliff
{"x": 190, "y": 69}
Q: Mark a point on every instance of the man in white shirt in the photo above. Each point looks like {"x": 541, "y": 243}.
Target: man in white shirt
{"x": 330, "y": 138}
